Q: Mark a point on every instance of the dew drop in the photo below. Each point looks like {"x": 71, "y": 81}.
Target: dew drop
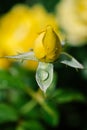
{"x": 43, "y": 74}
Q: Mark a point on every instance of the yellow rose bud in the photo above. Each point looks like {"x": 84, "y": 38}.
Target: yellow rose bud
{"x": 47, "y": 46}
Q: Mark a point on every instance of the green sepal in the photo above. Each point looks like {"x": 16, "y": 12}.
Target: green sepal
{"x": 69, "y": 60}
{"x": 44, "y": 75}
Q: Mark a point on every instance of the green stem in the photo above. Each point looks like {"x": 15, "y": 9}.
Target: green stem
{"x": 28, "y": 107}
{"x": 38, "y": 97}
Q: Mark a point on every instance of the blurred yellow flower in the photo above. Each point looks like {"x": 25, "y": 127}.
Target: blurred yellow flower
{"x": 4, "y": 63}
{"x": 20, "y": 27}
{"x": 47, "y": 46}
{"x": 72, "y": 15}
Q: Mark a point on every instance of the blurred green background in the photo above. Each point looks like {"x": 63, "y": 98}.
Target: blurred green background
{"x": 23, "y": 106}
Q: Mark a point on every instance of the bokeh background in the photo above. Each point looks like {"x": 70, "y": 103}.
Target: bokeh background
{"x": 23, "y": 106}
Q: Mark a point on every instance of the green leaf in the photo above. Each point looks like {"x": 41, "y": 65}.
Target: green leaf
{"x": 65, "y": 96}
{"x": 44, "y": 75}
{"x": 50, "y": 114}
{"x": 7, "y": 113}
{"x": 67, "y": 59}
{"x": 28, "y": 107}
{"x": 31, "y": 125}
{"x": 7, "y": 80}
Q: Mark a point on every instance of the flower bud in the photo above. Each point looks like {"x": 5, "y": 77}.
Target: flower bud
{"x": 47, "y": 46}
